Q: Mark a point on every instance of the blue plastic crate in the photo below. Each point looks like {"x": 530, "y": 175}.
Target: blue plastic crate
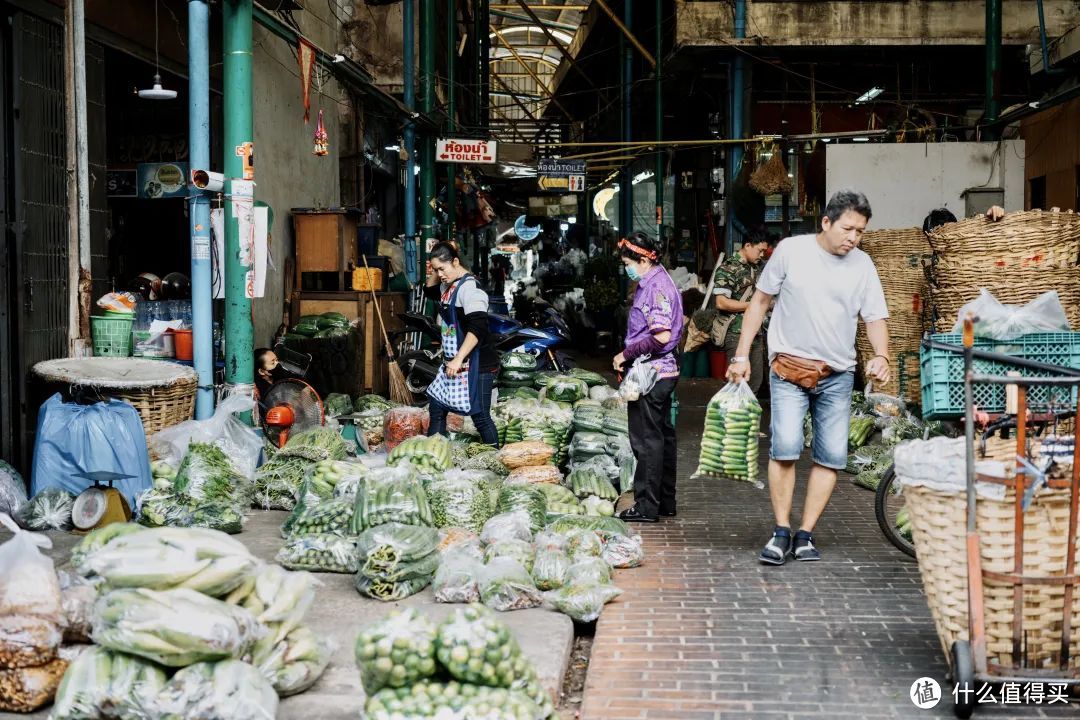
{"x": 942, "y": 373}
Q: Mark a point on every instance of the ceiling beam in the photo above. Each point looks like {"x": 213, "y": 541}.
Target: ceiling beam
{"x": 541, "y": 86}
{"x": 626, "y": 31}
{"x": 558, "y": 45}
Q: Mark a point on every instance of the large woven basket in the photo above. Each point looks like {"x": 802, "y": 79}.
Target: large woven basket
{"x": 939, "y": 522}
{"x": 949, "y": 298}
{"x": 898, "y": 256}
{"x": 162, "y": 392}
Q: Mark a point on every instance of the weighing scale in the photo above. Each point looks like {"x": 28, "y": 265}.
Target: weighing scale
{"x": 101, "y": 504}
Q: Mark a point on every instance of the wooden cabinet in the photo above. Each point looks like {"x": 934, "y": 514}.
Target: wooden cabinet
{"x": 326, "y": 248}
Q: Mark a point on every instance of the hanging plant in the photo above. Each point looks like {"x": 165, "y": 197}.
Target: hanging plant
{"x": 772, "y": 177}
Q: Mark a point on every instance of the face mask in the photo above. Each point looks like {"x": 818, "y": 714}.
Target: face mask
{"x": 632, "y": 273}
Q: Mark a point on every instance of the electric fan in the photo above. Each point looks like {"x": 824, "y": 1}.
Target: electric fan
{"x": 292, "y": 406}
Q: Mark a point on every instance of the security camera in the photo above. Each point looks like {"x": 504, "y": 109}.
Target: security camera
{"x": 207, "y": 180}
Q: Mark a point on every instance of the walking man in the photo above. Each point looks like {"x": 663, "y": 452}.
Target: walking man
{"x": 822, "y": 284}
{"x": 733, "y": 285}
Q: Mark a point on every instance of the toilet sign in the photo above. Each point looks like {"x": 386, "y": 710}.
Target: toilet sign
{"x": 466, "y": 151}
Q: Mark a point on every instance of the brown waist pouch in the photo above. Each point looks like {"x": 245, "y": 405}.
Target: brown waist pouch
{"x": 804, "y": 373}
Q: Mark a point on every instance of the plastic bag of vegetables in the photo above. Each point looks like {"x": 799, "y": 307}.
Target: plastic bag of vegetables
{"x": 524, "y": 497}
{"x": 557, "y": 494}
{"x": 451, "y": 701}
{"x": 392, "y": 494}
{"x": 278, "y": 481}
{"x": 456, "y": 580}
{"x": 542, "y": 474}
{"x": 402, "y": 423}
{"x": 506, "y": 585}
{"x": 334, "y": 478}
{"x": 621, "y": 551}
{"x": 12, "y": 489}
{"x": 98, "y": 539}
{"x": 566, "y": 388}
{"x": 429, "y": 455}
{"x": 296, "y": 662}
{"x": 372, "y": 401}
{"x": 589, "y": 571}
{"x": 568, "y": 523}
{"x": 588, "y": 418}
{"x": 587, "y": 444}
{"x": 591, "y": 378}
{"x": 337, "y": 404}
{"x": 385, "y": 548}
{"x": 587, "y": 481}
{"x": 594, "y": 505}
{"x": 519, "y": 550}
{"x": 460, "y": 499}
{"x": 225, "y": 690}
{"x": 475, "y": 646}
{"x": 583, "y": 544}
{"x": 729, "y": 443}
{"x": 582, "y": 603}
{"x": 488, "y": 461}
{"x": 27, "y": 689}
{"x": 549, "y": 569}
{"x": 327, "y": 517}
{"x": 319, "y": 553}
{"x": 102, "y": 683}
{"x": 277, "y": 598}
{"x": 515, "y": 524}
{"x": 525, "y": 454}
{"x": 518, "y": 361}
{"x": 50, "y": 509}
{"x": 399, "y": 588}
{"x": 397, "y": 651}
{"x": 175, "y": 627}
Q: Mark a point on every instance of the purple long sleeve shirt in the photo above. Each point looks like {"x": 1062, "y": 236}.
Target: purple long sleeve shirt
{"x": 657, "y": 307}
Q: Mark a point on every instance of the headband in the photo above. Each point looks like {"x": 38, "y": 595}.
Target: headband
{"x": 651, "y": 255}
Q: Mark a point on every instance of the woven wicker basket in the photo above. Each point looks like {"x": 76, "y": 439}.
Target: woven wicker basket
{"x": 1016, "y": 236}
{"x": 939, "y": 523}
{"x": 949, "y": 298}
{"x": 162, "y": 407}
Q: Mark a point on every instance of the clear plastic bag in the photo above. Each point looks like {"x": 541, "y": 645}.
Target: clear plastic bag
{"x": 391, "y": 494}
{"x": 30, "y": 585}
{"x": 998, "y": 321}
{"x": 50, "y": 509}
{"x": 77, "y": 596}
{"x": 729, "y": 442}
{"x": 566, "y": 389}
{"x": 519, "y": 550}
{"x": 460, "y": 499}
{"x": 27, "y": 689}
{"x": 174, "y": 628}
{"x": 589, "y": 571}
{"x": 452, "y": 701}
{"x": 384, "y": 548}
{"x": 319, "y": 553}
{"x": 225, "y": 690}
{"x": 296, "y": 662}
{"x": 455, "y": 539}
{"x": 102, "y": 683}
{"x": 542, "y": 474}
{"x": 26, "y": 641}
{"x": 396, "y": 651}
{"x": 240, "y": 442}
{"x": 524, "y": 497}
{"x": 621, "y": 551}
{"x": 639, "y": 380}
{"x": 326, "y": 517}
{"x": 456, "y": 580}
{"x": 277, "y": 598}
{"x": 402, "y": 423}
{"x": 600, "y": 393}
{"x": 549, "y": 569}
{"x": 583, "y": 544}
{"x": 586, "y": 445}
{"x": 208, "y": 475}
{"x": 506, "y": 585}
{"x": 595, "y": 505}
{"x": 429, "y": 455}
{"x": 387, "y": 590}
{"x": 567, "y": 524}
{"x": 12, "y": 489}
{"x": 582, "y": 603}
{"x": 525, "y": 454}
{"x": 507, "y": 526}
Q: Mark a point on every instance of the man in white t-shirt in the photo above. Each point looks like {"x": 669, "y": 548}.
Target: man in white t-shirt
{"x": 822, "y": 285}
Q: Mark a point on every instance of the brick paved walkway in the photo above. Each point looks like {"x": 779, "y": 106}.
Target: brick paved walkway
{"x": 703, "y": 631}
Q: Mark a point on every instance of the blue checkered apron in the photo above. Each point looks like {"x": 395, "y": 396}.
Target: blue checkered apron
{"x": 458, "y": 392}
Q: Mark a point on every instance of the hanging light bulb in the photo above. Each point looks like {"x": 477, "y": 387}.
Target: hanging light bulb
{"x": 157, "y": 92}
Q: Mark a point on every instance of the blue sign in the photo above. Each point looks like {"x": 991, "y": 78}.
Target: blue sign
{"x": 525, "y": 232}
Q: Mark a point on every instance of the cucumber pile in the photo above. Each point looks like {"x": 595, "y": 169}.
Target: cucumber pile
{"x": 585, "y": 482}
{"x": 429, "y": 455}
{"x": 729, "y": 442}
{"x": 391, "y": 495}
{"x": 319, "y": 553}
{"x": 326, "y": 517}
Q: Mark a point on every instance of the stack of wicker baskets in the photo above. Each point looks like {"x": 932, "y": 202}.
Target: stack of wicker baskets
{"x": 899, "y": 256}
{"x": 1016, "y": 260}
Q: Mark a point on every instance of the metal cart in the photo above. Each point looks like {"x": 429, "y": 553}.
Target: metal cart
{"x": 969, "y": 658}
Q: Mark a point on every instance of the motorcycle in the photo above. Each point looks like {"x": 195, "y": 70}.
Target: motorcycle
{"x": 545, "y": 332}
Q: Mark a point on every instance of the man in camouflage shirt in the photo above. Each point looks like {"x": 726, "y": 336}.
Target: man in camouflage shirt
{"x": 733, "y": 285}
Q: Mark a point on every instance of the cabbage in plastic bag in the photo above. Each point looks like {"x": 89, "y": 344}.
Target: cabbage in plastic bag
{"x": 12, "y": 489}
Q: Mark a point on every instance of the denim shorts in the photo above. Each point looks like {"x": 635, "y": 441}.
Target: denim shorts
{"x": 830, "y": 407}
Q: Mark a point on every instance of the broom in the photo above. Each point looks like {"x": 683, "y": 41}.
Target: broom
{"x": 399, "y": 391}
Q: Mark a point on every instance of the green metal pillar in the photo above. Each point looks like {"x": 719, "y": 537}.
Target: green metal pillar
{"x": 239, "y": 190}
{"x": 427, "y": 106}
{"x": 993, "y": 66}
{"x": 658, "y": 172}
{"x": 451, "y": 110}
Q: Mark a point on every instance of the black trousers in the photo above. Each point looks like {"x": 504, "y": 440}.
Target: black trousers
{"x": 652, "y": 437}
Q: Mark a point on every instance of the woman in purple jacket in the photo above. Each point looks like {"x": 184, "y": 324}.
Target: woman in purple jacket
{"x": 652, "y": 329}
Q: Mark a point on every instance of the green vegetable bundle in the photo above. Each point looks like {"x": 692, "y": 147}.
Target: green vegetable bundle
{"x": 216, "y": 691}
{"x": 332, "y": 320}
{"x": 372, "y": 402}
{"x": 586, "y": 481}
{"x": 99, "y": 538}
{"x": 588, "y": 444}
{"x": 388, "y": 590}
{"x": 505, "y": 585}
{"x": 509, "y": 430}
{"x": 616, "y": 422}
{"x": 512, "y": 378}
{"x": 396, "y": 652}
{"x": 460, "y": 499}
{"x": 870, "y": 464}
{"x": 337, "y": 404}
{"x": 621, "y": 551}
{"x": 518, "y": 393}
{"x": 513, "y": 548}
{"x": 306, "y": 326}
{"x": 543, "y": 377}
{"x": 206, "y": 475}
{"x": 729, "y": 442}
{"x": 589, "y": 571}
{"x": 318, "y": 443}
{"x": 101, "y": 683}
{"x": 296, "y": 662}
{"x": 549, "y": 569}
{"x": 556, "y": 494}
{"x": 434, "y": 700}
{"x": 207, "y": 561}
{"x": 566, "y": 388}
{"x": 335, "y": 478}
{"x": 332, "y": 332}
{"x": 859, "y": 431}
{"x": 518, "y": 361}
{"x": 385, "y": 548}
{"x": 556, "y": 509}
{"x": 319, "y": 553}
{"x": 173, "y": 628}
{"x": 524, "y": 497}
{"x": 582, "y": 602}
{"x": 327, "y": 517}
{"x": 278, "y": 481}
{"x": 488, "y": 460}
{"x": 592, "y": 379}
{"x": 429, "y": 455}
{"x": 588, "y": 418}
{"x": 569, "y": 523}
{"x": 582, "y": 544}
{"x": 391, "y": 495}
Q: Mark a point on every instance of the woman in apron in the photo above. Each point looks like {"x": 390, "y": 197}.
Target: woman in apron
{"x": 465, "y": 380}
{"x": 652, "y": 334}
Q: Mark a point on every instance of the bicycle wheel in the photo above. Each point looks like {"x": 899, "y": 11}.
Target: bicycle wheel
{"x": 888, "y": 504}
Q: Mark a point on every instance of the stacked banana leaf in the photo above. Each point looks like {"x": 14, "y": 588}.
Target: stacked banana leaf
{"x": 195, "y": 600}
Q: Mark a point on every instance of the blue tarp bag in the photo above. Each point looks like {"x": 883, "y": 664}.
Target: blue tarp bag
{"x": 103, "y": 437}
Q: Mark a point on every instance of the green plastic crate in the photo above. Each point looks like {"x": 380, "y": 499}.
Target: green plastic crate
{"x": 942, "y": 373}
{"x": 111, "y": 335}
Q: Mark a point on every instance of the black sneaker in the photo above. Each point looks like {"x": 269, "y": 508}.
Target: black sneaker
{"x": 632, "y": 515}
{"x": 776, "y": 550}
{"x": 803, "y": 547}
{"x": 668, "y": 510}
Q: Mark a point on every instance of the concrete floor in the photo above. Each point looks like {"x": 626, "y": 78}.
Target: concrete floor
{"x": 339, "y": 611}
